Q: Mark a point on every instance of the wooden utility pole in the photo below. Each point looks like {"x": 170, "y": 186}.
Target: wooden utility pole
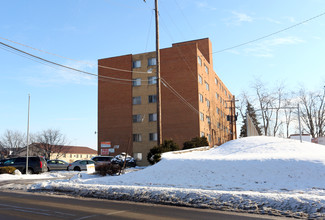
{"x": 159, "y": 130}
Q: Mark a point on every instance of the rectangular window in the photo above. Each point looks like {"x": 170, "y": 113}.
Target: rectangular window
{"x": 137, "y": 64}
{"x": 152, "y": 98}
{"x": 152, "y": 61}
{"x": 137, "y": 156}
{"x": 206, "y": 69}
{"x": 200, "y": 79}
{"x": 202, "y": 134}
{"x": 201, "y": 116}
{"x": 208, "y": 103}
{"x": 209, "y": 138}
{"x": 199, "y": 60}
{"x": 218, "y": 110}
{"x": 207, "y": 86}
{"x": 216, "y": 81}
{"x": 201, "y": 97}
{"x": 136, "y": 100}
{"x": 153, "y": 136}
{"x": 153, "y": 117}
{"x": 136, "y": 82}
{"x": 152, "y": 80}
{"x": 137, "y": 138}
{"x": 208, "y": 119}
{"x": 137, "y": 118}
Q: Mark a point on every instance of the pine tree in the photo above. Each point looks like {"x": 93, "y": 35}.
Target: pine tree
{"x": 251, "y": 112}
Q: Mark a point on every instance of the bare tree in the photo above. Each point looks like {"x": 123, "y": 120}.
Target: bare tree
{"x": 288, "y": 114}
{"x": 52, "y": 141}
{"x": 12, "y": 140}
{"x": 277, "y": 104}
{"x": 313, "y": 111}
{"x": 265, "y": 101}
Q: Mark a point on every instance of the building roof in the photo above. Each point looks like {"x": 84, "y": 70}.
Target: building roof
{"x": 68, "y": 149}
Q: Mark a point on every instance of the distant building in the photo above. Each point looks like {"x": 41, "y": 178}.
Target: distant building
{"x": 127, "y": 112}
{"x": 319, "y": 140}
{"x": 304, "y": 137}
{"x": 67, "y": 153}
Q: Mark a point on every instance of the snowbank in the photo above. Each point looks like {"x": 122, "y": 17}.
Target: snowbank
{"x": 268, "y": 172}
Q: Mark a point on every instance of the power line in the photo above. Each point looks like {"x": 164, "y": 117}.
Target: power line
{"x": 16, "y": 50}
{"x": 53, "y": 54}
{"x": 269, "y": 35}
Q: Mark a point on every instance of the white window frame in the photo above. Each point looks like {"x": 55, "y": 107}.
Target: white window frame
{"x": 152, "y": 98}
{"x": 200, "y": 79}
{"x": 136, "y": 82}
{"x": 137, "y": 137}
{"x": 208, "y": 102}
{"x": 206, "y": 69}
{"x": 136, "y": 100}
{"x": 153, "y": 137}
{"x": 207, "y": 86}
{"x": 152, "y": 61}
{"x": 199, "y": 60}
{"x": 152, "y": 80}
{"x": 137, "y": 118}
{"x": 201, "y": 97}
{"x": 152, "y": 117}
{"x": 136, "y": 64}
{"x": 201, "y": 116}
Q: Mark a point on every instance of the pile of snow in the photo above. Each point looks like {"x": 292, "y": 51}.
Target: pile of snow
{"x": 7, "y": 177}
{"x": 256, "y": 173}
{"x": 254, "y": 163}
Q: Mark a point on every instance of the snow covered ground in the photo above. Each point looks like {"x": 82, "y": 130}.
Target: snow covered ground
{"x": 257, "y": 174}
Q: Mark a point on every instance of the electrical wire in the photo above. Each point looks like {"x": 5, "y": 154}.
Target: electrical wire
{"x": 269, "y": 35}
{"x": 16, "y": 50}
{"x": 167, "y": 85}
{"x": 67, "y": 58}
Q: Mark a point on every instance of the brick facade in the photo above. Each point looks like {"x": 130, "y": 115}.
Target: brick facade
{"x": 195, "y": 81}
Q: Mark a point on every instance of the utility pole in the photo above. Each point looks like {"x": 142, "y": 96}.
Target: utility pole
{"x": 159, "y": 130}
{"x": 27, "y": 135}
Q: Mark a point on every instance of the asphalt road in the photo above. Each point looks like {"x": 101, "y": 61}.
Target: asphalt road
{"x": 23, "y": 205}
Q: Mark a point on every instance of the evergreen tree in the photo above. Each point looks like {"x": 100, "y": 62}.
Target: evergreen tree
{"x": 252, "y": 114}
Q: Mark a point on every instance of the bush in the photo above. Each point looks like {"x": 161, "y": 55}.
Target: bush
{"x": 196, "y": 142}
{"x": 8, "y": 170}
{"x": 109, "y": 168}
{"x": 154, "y": 154}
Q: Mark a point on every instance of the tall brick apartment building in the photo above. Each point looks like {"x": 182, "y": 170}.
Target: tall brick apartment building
{"x": 127, "y": 119}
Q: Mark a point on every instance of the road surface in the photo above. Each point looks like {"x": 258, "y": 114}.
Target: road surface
{"x": 22, "y": 205}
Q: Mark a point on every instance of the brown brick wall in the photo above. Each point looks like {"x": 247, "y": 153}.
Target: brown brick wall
{"x": 179, "y": 69}
{"x": 114, "y": 103}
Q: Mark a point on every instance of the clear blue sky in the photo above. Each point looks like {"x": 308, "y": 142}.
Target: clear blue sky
{"x": 88, "y": 30}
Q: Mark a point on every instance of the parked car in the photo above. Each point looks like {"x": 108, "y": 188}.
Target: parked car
{"x": 35, "y": 164}
{"x": 57, "y": 165}
{"x": 99, "y": 160}
{"x": 130, "y": 161}
{"x": 79, "y": 165}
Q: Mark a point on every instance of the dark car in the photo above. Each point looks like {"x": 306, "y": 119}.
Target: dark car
{"x": 99, "y": 160}
{"x": 129, "y": 161}
{"x": 57, "y": 165}
{"x": 35, "y": 164}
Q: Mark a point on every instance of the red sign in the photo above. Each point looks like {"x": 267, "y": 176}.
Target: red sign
{"x": 104, "y": 151}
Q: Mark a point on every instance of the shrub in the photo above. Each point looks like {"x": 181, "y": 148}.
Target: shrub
{"x": 8, "y": 170}
{"x": 109, "y": 168}
{"x": 154, "y": 154}
{"x": 196, "y": 142}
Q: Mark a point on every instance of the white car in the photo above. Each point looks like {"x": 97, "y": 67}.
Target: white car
{"x": 79, "y": 165}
